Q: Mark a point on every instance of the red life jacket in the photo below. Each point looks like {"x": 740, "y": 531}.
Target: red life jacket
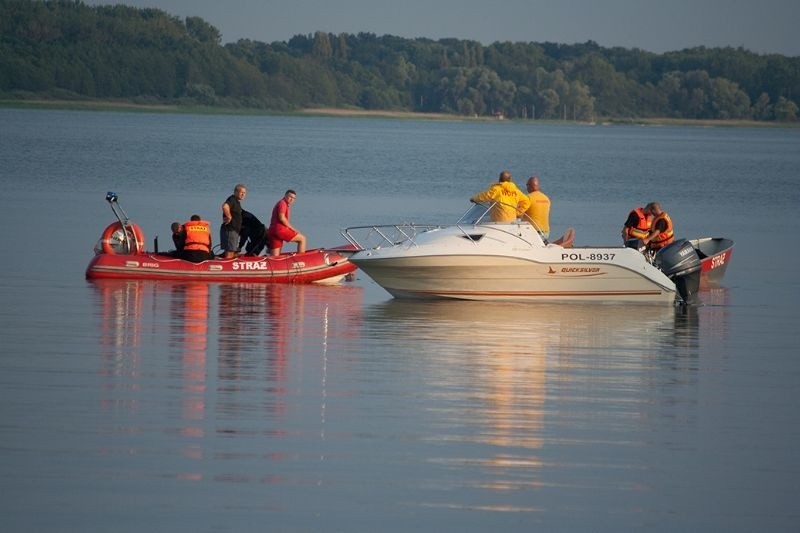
{"x": 198, "y": 235}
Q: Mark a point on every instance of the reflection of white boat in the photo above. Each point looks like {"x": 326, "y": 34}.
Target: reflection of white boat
{"x": 477, "y": 259}
{"x": 480, "y": 327}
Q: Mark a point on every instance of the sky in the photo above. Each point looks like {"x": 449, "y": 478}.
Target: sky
{"x": 763, "y": 26}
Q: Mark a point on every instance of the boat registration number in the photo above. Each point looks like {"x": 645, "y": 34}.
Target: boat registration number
{"x": 588, "y": 257}
{"x": 718, "y": 261}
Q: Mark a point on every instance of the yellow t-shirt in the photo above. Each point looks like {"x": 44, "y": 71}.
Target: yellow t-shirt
{"x": 539, "y": 210}
{"x": 510, "y": 201}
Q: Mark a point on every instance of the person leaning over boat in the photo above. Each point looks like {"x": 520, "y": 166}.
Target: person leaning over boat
{"x": 197, "y": 246}
{"x": 510, "y": 200}
{"x": 539, "y": 210}
{"x": 178, "y": 235}
{"x": 280, "y": 229}
{"x": 637, "y": 226}
{"x": 253, "y": 237}
{"x": 232, "y": 222}
{"x": 661, "y": 231}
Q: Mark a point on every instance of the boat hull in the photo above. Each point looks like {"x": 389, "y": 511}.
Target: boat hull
{"x": 715, "y": 255}
{"x": 313, "y": 266}
{"x": 492, "y": 277}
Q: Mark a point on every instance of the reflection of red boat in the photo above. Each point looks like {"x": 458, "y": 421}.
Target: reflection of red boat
{"x": 715, "y": 254}
{"x": 120, "y": 254}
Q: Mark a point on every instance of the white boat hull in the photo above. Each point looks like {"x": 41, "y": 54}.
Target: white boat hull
{"x": 478, "y": 260}
{"x": 492, "y": 277}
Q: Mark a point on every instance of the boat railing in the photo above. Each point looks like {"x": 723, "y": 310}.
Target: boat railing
{"x": 377, "y": 236}
{"x": 479, "y": 214}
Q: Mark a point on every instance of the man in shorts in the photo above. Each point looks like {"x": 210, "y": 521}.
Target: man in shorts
{"x": 280, "y": 229}
{"x": 232, "y": 222}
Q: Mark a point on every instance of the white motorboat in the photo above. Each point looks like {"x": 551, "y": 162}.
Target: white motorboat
{"x": 478, "y": 259}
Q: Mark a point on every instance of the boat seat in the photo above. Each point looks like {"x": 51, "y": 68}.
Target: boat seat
{"x": 566, "y": 240}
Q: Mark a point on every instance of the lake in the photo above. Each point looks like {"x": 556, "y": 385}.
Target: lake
{"x": 134, "y": 406}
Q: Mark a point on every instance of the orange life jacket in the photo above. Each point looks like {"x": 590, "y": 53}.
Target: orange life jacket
{"x": 642, "y": 227}
{"x": 665, "y": 237}
{"x": 198, "y": 235}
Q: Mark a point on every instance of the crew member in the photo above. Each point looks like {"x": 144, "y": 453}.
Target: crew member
{"x": 539, "y": 210}
{"x": 232, "y": 222}
{"x": 178, "y": 235}
{"x": 197, "y": 246}
{"x": 661, "y": 232}
{"x": 281, "y": 229}
{"x": 509, "y": 200}
{"x": 638, "y": 224}
{"x": 253, "y": 237}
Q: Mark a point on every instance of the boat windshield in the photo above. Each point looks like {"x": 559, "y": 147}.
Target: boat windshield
{"x": 477, "y": 214}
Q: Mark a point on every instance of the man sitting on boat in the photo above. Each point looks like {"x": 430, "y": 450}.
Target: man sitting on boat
{"x": 510, "y": 202}
{"x": 197, "y": 244}
{"x": 637, "y": 226}
{"x": 539, "y": 210}
{"x": 178, "y": 236}
{"x": 661, "y": 231}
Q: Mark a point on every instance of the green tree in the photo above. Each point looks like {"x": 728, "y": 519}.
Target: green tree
{"x": 322, "y": 48}
{"x": 785, "y": 110}
{"x": 202, "y": 31}
{"x": 762, "y": 110}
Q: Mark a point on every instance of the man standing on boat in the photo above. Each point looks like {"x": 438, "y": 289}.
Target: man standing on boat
{"x": 539, "y": 211}
{"x": 510, "y": 201}
{"x": 232, "y": 222}
{"x": 661, "y": 231}
{"x": 280, "y": 229}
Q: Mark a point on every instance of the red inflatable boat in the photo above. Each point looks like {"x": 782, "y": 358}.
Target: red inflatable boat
{"x": 120, "y": 254}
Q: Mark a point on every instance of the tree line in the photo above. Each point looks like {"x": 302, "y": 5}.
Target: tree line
{"x": 66, "y": 49}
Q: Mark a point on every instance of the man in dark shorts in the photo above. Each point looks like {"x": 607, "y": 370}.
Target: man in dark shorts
{"x": 232, "y": 222}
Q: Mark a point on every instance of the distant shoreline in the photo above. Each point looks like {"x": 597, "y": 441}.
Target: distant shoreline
{"x": 127, "y": 106}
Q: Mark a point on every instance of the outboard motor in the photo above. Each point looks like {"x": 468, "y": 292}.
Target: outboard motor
{"x": 680, "y": 263}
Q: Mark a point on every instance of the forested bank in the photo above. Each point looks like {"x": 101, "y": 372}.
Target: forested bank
{"x": 68, "y": 50}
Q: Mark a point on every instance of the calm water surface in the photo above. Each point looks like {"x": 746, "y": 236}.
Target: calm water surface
{"x": 134, "y": 406}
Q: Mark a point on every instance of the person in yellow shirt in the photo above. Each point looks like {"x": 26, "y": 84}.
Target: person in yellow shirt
{"x": 539, "y": 211}
{"x": 511, "y": 201}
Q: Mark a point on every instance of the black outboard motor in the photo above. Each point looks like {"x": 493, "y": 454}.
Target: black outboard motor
{"x": 680, "y": 263}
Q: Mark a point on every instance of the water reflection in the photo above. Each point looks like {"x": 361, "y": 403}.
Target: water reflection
{"x": 188, "y": 322}
{"x": 505, "y": 378}
{"x": 160, "y": 343}
{"x": 120, "y": 336}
